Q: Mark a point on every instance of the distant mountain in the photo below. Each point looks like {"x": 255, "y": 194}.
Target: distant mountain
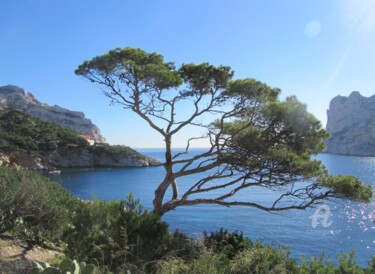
{"x": 29, "y": 142}
{"x": 16, "y": 97}
{"x": 351, "y": 123}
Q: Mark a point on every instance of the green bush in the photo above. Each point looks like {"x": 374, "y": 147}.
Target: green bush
{"x": 120, "y": 235}
{"x": 207, "y": 262}
{"x": 230, "y": 243}
{"x": 22, "y": 133}
{"x": 181, "y": 246}
{"x": 263, "y": 259}
{"x": 115, "y": 151}
{"x": 32, "y": 206}
{"x": 347, "y": 265}
{"x": 317, "y": 266}
{"x": 371, "y": 265}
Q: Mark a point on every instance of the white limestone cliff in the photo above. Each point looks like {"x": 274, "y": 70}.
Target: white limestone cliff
{"x": 351, "y": 124}
{"x": 16, "y": 97}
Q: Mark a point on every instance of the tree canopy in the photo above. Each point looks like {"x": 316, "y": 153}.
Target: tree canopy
{"x": 255, "y": 139}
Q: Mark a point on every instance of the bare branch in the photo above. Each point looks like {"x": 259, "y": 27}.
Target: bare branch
{"x": 303, "y": 205}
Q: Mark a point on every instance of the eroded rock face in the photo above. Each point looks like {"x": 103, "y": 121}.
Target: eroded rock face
{"x": 16, "y": 97}
{"x": 351, "y": 123}
{"x": 74, "y": 157}
{"x": 86, "y": 157}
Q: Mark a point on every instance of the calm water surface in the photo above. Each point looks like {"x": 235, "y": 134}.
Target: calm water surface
{"x": 349, "y": 226}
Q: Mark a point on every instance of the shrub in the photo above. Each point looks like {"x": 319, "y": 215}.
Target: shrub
{"x": 115, "y": 151}
{"x": 371, "y": 265}
{"x": 32, "y": 206}
{"x": 262, "y": 259}
{"x": 317, "y": 266}
{"x": 207, "y": 262}
{"x": 118, "y": 234}
{"x": 181, "y": 246}
{"x": 347, "y": 265}
{"x": 230, "y": 243}
{"x": 172, "y": 265}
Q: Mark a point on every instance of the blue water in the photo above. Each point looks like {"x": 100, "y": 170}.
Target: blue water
{"x": 349, "y": 226}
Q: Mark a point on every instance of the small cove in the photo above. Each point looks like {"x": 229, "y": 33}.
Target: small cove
{"x": 351, "y": 223}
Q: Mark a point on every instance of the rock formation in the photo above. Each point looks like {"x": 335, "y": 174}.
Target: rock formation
{"x": 29, "y": 142}
{"x": 16, "y": 97}
{"x": 77, "y": 158}
{"x": 351, "y": 124}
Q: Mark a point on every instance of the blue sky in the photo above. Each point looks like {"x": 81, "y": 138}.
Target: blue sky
{"x": 312, "y": 49}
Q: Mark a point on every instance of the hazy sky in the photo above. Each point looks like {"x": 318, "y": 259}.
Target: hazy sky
{"x": 312, "y": 49}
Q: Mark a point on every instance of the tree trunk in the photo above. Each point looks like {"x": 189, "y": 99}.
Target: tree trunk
{"x": 168, "y": 180}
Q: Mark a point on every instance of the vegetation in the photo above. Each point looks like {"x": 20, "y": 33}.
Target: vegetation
{"x": 122, "y": 237}
{"x": 33, "y": 207}
{"x": 22, "y": 134}
{"x": 115, "y": 151}
{"x": 71, "y": 266}
{"x": 229, "y": 243}
{"x": 254, "y": 139}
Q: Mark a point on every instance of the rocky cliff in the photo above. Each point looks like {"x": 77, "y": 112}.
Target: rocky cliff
{"x": 16, "y": 97}
{"x": 29, "y": 142}
{"x": 351, "y": 123}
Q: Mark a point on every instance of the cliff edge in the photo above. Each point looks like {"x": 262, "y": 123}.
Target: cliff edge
{"x": 351, "y": 124}
{"x": 18, "y": 98}
{"x": 26, "y": 141}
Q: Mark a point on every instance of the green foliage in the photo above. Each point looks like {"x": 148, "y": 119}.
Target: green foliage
{"x": 114, "y": 234}
{"x": 316, "y": 266}
{"x": 252, "y": 89}
{"x": 208, "y": 262}
{"x": 115, "y": 151}
{"x": 229, "y": 243}
{"x": 263, "y": 260}
{"x": 257, "y": 137}
{"x": 172, "y": 265}
{"x": 180, "y": 245}
{"x": 95, "y": 232}
{"x": 285, "y": 137}
{"x": 371, "y": 265}
{"x": 347, "y": 265}
{"x": 294, "y": 126}
{"x": 132, "y": 63}
{"x": 124, "y": 238}
{"x": 22, "y": 133}
{"x": 204, "y": 78}
{"x": 32, "y": 206}
{"x": 348, "y": 186}
{"x": 71, "y": 266}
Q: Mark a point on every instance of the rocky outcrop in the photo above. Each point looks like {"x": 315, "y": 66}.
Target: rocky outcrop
{"x": 351, "y": 124}
{"x": 29, "y": 142}
{"x": 16, "y": 97}
{"x": 94, "y": 156}
{"x": 78, "y": 157}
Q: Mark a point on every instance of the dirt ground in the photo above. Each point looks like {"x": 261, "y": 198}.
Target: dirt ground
{"x": 17, "y": 257}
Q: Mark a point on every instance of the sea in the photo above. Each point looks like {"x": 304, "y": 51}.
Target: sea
{"x": 338, "y": 226}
